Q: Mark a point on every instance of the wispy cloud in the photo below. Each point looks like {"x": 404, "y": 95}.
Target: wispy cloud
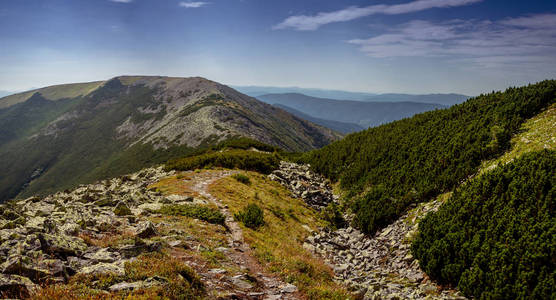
{"x": 193, "y": 4}
{"x": 122, "y": 1}
{"x": 303, "y": 22}
{"x": 510, "y": 41}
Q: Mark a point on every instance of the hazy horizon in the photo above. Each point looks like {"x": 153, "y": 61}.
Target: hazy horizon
{"x": 397, "y": 46}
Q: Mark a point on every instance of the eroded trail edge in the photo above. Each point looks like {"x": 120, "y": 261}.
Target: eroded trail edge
{"x": 271, "y": 286}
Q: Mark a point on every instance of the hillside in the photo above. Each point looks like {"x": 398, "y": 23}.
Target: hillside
{"x": 444, "y": 99}
{"x": 364, "y": 114}
{"x": 63, "y": 135}
{"x": 341, "y": 127}
{"x": 501, "y": 247}
{"x": 388, "y": 168}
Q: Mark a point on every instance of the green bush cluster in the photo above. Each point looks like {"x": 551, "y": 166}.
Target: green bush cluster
{"x": 232, "y": 159}
{"x": 242, "y": 178}
{"x": 252, "y": 216}
{"x": 245, "y": 144}
{"x": 496, "y": 237}
{"x": 201, "y": 212}
{"x": 395, "y": 165}
{"x": 333, "y": 215}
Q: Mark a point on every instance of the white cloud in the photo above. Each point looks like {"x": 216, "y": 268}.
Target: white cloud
{"x": 303, "y": 22}
{"x": 523, "y": 40}
{"x": 122, "y": 1}
{"x": 193, "y": 4}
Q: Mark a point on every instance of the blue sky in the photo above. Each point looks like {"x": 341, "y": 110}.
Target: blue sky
{"x": 405, "y": 46}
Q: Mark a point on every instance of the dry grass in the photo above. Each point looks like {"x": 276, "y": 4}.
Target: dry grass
{"x": 536, "y": 134}
{"x": 182, "y": 282}
{"x": 109, "y": 240}
{"x": 278, "y": 245}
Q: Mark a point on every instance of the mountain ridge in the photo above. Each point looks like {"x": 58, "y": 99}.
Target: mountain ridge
{"x": 362, "y": 113}
{"x": 130, "y": 122}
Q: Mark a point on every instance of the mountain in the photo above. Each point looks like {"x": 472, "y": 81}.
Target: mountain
{"x": 57, "y": 137}
{"x": 5, "y": 93}
{"x": 256, "y": 91}
{"x": 444, "y": 99}
{"x": 334, "y": 125}
{"x": 364, "y": 114}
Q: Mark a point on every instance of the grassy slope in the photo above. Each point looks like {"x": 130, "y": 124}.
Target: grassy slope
{"x": 536, "y": 134}
{"x": 53, "y": 93}
{"x": 278, "y": 245}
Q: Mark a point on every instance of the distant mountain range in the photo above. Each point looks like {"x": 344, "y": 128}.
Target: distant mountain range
{"x": 59, "y": 136}
{"x": 5, "y": 93}
{"x": 444, "y": 99}
{"x": 360, "y": 113}
{"x": 341, "y": 127}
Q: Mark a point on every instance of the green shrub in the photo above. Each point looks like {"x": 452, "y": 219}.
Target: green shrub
{"x": 242, "y": 178}
{"x": 415, "y": 159}
{"x": 245, "y": 144}
{"x": 252, "y": 216}
{"x": 496, "y": 237}
{"x": 201, "y": 212}
{"x": 333, "y": 215}
{"x": 233, "y": 159}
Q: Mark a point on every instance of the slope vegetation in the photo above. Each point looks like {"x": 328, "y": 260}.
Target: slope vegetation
{"x": 390, "y": 167}
{"x": 495, "y": 238}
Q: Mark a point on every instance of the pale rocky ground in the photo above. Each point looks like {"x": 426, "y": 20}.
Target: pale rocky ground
{"x": 42, "y": 241}
{"x": 375, "y": 267}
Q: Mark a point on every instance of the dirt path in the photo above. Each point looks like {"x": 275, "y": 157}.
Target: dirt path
{"x": 267, "y": 286}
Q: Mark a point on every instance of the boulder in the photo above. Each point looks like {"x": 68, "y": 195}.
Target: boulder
{"x": 146, "y": 230}
{"x": 102, "y": 255}
{"x": 16, "y": 286}
{"x": 103, "y": 268}
{"x": 122, "y": 209}
{"x": 61, "y": 245}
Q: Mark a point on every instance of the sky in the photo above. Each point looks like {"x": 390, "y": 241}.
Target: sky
{"x": 377, "y": 46}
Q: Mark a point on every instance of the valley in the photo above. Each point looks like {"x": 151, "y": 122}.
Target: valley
{"x": 246, "y": 220}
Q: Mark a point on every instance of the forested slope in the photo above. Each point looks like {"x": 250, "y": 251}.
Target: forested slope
{"x": 495, "y": 238}
{"x": 389, "y": 167}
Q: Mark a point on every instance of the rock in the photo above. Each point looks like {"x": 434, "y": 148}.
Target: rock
{"x": 139, "y": 246}
{"x": 35, "y": 224}
{"x": 179, "y": 198}
{"x": 288, "y": 288}
{"x": 103, "y": 268}
{"x": 123, "y": 286}
{"x": 16, "y": 286}
{"x": 217, "y": 271}
{"x": 175, "y": 243}
{"x": 61, "y": 245}
{"x": 70, "y": 228}
{"x": 149, "y": 207}
{"x": 102, "y": 255}
{"x": 241, "y": 282}
{"x": 23, "y": 265}
{"x": 122, "y": 209}
{"x": 146, "y": 230}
